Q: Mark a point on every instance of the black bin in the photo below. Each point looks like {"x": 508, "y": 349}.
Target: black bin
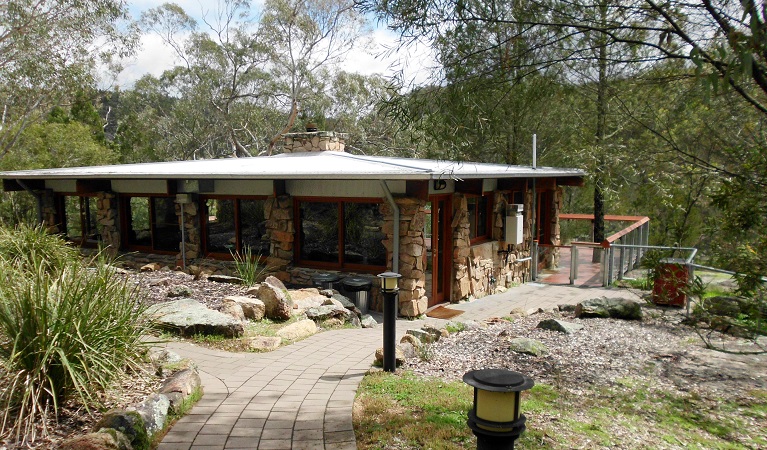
{"x": 360, "y": 287}
{"x": 325, "y": 280}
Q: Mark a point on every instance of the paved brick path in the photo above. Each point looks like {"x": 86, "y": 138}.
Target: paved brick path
{"x": 301, "y": 396}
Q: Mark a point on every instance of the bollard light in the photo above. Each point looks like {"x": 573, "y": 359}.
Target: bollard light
{"x": 495, "y": 418}
{"x": 389, "y": 281}
{"x": 389, "y": 289}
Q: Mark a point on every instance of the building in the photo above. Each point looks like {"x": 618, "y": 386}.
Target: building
{"x": 454, "y": 230}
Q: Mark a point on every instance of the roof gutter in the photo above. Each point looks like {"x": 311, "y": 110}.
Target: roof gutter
{"x": 395, "y": 245}
{"x": 38, "y": 197}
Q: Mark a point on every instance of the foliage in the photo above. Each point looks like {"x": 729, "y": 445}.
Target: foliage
{"x": 63, "y": 335}
{"x": 249, "y": 267}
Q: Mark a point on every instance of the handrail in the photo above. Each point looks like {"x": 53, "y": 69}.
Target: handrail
{"x": 625, "y": 231}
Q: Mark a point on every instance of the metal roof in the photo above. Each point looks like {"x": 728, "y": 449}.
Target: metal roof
{"x": 328, "y": 165}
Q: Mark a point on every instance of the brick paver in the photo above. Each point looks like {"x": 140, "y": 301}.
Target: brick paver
{"x": 301, "y": 396}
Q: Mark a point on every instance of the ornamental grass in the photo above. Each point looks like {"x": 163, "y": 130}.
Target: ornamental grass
{"x": 68, "y": 330}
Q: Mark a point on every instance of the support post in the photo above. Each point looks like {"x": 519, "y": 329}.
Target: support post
{"x": 573, "y": 263}
{"x": 389, "y": 331}
{"x": 534, "y": 261}
{"x": 621, "y": 259}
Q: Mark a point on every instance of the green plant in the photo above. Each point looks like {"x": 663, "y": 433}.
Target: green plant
{"x": 248, "y": 267}
{"x": 455, "y": 327}
{"x": 31, "y": 246}
{"x": 66, "y": 332}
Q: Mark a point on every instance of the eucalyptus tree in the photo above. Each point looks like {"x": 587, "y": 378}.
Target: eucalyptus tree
{"x": 48, "y": 51}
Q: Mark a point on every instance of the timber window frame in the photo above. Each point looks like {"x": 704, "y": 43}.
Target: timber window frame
{"x": 239, "y": 206}
{"x": 85, "y": 216}
{"x": 157, "y": 236}
{"x": 345, "y": 242}
{"x": 479, "y": 215}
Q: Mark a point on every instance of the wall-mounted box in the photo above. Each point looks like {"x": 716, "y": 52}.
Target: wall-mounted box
{"x": 514, "y": 224}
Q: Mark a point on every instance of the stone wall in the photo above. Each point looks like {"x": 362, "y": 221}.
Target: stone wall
{"x": 192, "y": 229}
{"x": 412, "y": 265}
{"x": 315, "y": 141}
{"x": 51, "y": 221}
{"x": 461, "y": 249}
{"x": 278, "y": 212}
{"x": 108, "y": 219}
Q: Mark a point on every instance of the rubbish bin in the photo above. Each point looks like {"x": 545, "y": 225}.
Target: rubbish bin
{"x": 325, "y": 280}
{"x": 670, "y": 282}
{"x": 360, "y": 287}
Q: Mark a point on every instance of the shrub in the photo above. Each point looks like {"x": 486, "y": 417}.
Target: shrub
{"x": 31, "y": 246}
{"x": 66, "y": 332}
{"x": 248, "y": 267}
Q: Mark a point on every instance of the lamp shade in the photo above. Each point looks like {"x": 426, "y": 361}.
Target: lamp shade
{"x": 389, "y": 280}
{"x": 496, "y": 398}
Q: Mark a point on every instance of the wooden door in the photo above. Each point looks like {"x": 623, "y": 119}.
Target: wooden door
{"x": 442, "y": 249}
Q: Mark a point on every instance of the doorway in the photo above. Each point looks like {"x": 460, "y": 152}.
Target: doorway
{"x": 439, "y": 246}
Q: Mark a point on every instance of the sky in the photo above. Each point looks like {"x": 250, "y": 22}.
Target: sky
{"x": 153, "y": 56}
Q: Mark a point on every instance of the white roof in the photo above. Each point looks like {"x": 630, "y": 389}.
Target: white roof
{"x": 326, "y": 165}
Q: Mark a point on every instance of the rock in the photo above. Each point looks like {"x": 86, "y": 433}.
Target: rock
{"x": 252, "y": 308}
{"x": 307, "y": 298}
{"x": 399, "y": 357}
{"x": 332, "y": 301}
{"x": 151, "y": 267}
{"x": 368, "y": 321}
{"x": 163, "y": 356}
{"x": 277, "y": 303}
{"x": 183, "y": 383}
{"x": 298, "y": 330}
{"x": 444, "y": 333}
{"x": 517, "y": 312}
{"x": 253, "y": 290}
{"x": 333, "y": 322}
{"x": 423, "y": 336}
{"x": 189, "y": 317}
{"x": 472, "y": 325}
{"x": 180, "y": 291}
{"x": 603, "y": 307}
{"x": 345, "y": 301}
{"x": 408, "y": 350}
{"x": 325, "y": 312}
{"x": 165, "y": 281}
{"x": 265, "y": 343}
{"x": 233, "y": 309}
{"x": 274, "y": 281}
{"x": 328, "y": 292}
{"x": 129, "y": 423}
{"x": 528, "y": 346}
{"x": 104, "y": 439}
{"x": 154, "y": 411}
{"x": 412, "y": 340}
{"x": 435, "y": 332}
{"x": 225, "y": 279}
{"x": 566, "y": 308}
{"x": 559, "y": 325}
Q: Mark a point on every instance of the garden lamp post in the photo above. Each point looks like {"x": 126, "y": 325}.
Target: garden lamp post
{"x": 390, "y": 290}
{"x": 494, "y": 418}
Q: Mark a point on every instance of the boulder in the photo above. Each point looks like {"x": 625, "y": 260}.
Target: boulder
{"x": 180, "y": 386}
{"x": 473, "y": 325}
{"x": 328, "y": 292}
{"x": 332, "y": 301}
{"x": 154, "y": 411}
{"x": 307, "y": 298}
{"x": 164, "y": 281}
{"x": 233, "y": 309}
{"x": 408, "y": 350}
{"x": 151, "y": 267}
{"x": 399, "y": 357}
{"x": 517, "y": 313}
{"x": 603, "y": 307}
{"x": 325, "y": 312}
{"x": 559, "y": 325}
{"x": 333, "y": 322}
{"x": 298, "y": 330}
{"x": 129, "y": 423}
{"x": 252, "y": 308}
{"x": 435, "y": 332}
{"x": 189, "y": 317}
{"x": 410, "y": 339}
{"x": 225, "y": 279}
{"x": 423, "y": 336}
{"x": 528, "y": 346}
{"x": 265, "y": 343}
{"x": 104, "y": 439}
{"x": 180, "y": 291}
{"x": 368, "y": 321}
{"x": 344, "y": 301}
{"x": 566, "y": 307}
{"x": 277, "y": 302}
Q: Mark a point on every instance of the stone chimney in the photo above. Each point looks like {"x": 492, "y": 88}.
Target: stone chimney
{"x": 314, "y": 141}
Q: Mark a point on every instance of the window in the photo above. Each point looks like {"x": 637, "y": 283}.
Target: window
{"x": 230, "y": 225}
{"x": 479, "y": 217}
{"x": 152, "y": 223}
{"x": 80, "y": 219}
{"x": 354, "y": 242}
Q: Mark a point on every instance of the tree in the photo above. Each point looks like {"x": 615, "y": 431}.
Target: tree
{"x": 48, "y": 51}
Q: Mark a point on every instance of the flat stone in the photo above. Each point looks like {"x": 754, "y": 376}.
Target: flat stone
{"x": 298, "y": 330}
{"x": 225, "y": 279}
{"x": 345, "y": 301}
{"x": 180, "y": 291}
{"x": 325, "y": 312}
{"x": 603, "y": 307}
{"x": 188, "y": 317}
{"x": 528, "y": 346}
{"x": 560, "y": 326}
{"x": 151, "y": 267}
{"x": 265, "y": 343}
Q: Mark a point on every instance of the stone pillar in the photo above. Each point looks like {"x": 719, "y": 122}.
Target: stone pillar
{"x": 461, "y": 249}
{"x": 50, "y": 214}
{"x": 412, "y": 253}
{"x": 557, "y": 201}
{"x": 192, "y": 231}
{"x": 278, "y": 212}
{"x": 107, "y": 217}
{"x": 314, "y": 141}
